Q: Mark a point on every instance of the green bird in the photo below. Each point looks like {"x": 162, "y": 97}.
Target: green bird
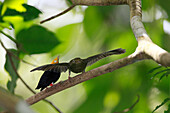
{"x": 78, "y": 65}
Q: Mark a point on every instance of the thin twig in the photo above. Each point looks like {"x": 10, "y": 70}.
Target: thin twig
{"x": 13, "y": 66}
{"x": 22, "y": 59}
{"x": 10, "y": 37}
{"x": 3, "y": 46}
{"x": 55, "y": 107}
{"x": 131, "y": 107}
{"x": 65, "y": 11}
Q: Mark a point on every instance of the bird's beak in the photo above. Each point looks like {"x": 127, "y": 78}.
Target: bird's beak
{"x": 56, "y": 60}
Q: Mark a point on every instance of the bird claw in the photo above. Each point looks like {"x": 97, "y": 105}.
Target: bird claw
{"x": 69, "y": 79}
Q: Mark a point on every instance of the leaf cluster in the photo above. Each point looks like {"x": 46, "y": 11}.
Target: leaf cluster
{"x": 33, "y": 39}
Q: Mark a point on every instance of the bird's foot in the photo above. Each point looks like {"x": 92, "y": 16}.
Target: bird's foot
{"x": 69, "y": 78}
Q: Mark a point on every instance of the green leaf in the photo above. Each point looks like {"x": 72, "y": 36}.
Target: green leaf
{"x": 165, "y": 101}
{"x": 1, "y": 13}
{"x": 152, "y": 70}
{"x": 168, "y": 110}
{"x": 5, "y": 25}
{"x": 165, "y": 74}
{"x": 11, "y": 12}
{"x": 159, "y": 73}
{"x": 31, "y": 12}
{"x": 36, "y": 40}
{"x": 2, "y": 23}
{"x": 9, "y": 68}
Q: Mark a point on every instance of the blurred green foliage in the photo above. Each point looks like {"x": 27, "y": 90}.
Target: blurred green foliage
{"x": 41, "y": 40}
{"x": 165, "y": 5}
{"x": 9, "y": 68}
{"x": 164, "y": 72}
{"x": 69, "y": 2}
{"x": 165, "y": 101}
{"x": 30, "y": 13}
{"x": 102, "y": 29}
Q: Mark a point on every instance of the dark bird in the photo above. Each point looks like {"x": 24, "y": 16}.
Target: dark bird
{"x": 78, "y": 65}
{"x": 49, "y": 77}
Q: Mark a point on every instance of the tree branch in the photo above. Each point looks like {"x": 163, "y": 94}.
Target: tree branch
{"x": 86, "y": 76}
{"x": 145, "y": 44}
{"x": 99, "y": 2}
{"x": 10, "y": 37}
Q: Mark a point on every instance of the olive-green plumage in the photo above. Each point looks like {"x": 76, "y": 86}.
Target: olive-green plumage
{"x": 78, "y": 65}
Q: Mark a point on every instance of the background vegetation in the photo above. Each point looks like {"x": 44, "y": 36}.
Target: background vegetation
{"x": 84, "y": 31}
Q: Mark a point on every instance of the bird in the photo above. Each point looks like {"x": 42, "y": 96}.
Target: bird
{"x": 49, "y": 77}
{"x": 78, "y": 65}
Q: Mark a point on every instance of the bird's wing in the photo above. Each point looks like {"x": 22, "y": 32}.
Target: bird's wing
{"x": 91, "y": 60}
{"x": 61, "y": 67}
